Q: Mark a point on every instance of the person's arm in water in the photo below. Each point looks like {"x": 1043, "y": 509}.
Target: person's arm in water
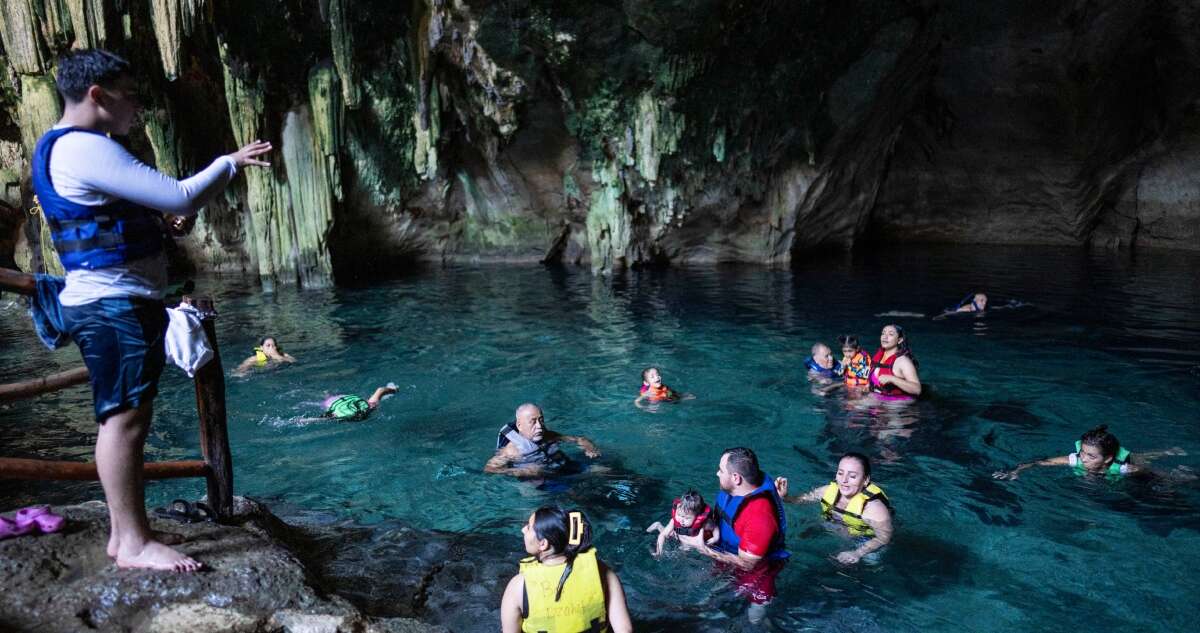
{"x": 716, "y": 535}
{"x": 663, "y": 535}
{"x": 499, "y": 464}
{"x": 616, "y": 609}
{"x": 586, "y": 445}
{"x": 1064, "y": 460}
{"x": 742, "y": 560}
{"x": 510, "y": 605}
{"x": 244, "y": 367}
{"x": 904, "y": 375}
{"x": 876, "y": 515}
{"x": 812, "y": 496}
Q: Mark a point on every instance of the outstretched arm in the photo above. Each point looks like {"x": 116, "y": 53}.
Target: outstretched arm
{"x": 244, "y": 367}
{"x": 588, "y": 447}
{"x": 742, "y": 560}
{"x": 812, "y": 496}
{"x": 379, "y": 394}
{"x": 1016, "y": 472}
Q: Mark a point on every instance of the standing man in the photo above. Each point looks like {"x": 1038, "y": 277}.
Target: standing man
{"x": 753, "y": 529}
{"x": 105, "y": 212}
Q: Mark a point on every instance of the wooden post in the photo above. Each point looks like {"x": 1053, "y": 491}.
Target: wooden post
{"x": 46, "y": 384}
{"x": 214, "y": 434}
{"x": 14, "y": 468}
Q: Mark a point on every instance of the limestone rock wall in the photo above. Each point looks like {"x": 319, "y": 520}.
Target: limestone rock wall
{"x": 634, "y": 133}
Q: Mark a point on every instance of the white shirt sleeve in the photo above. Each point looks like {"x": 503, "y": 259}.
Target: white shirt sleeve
{"x": 93, "y": 169}
{"x": 1073, "y": 459}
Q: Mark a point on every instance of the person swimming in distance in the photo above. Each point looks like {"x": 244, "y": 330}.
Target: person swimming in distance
{"x": 351, "y": 408}
{"x": 526, "y": 448}
{"x": 689, "y": 516}
{"x": 821, "y": 364}
{"x": 562, "y": 585}
{"x": 654, "y": 391}
{"x": 976, "y": 303}
{"x": 653, "y": 388}
{"x": 894, "y": 376}
{"x": 267, "y": 353}
{"x": 1097, "y": 452}
{"x": 853, "y": 502}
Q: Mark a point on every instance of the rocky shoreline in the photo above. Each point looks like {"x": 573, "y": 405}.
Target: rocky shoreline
{"x": 258, "y": 578}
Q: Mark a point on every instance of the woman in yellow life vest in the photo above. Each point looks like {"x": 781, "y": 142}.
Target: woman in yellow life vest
{"x": 562, "y": 587}
{"x": 855, "y": 503}
{"x": 266, "y": 353}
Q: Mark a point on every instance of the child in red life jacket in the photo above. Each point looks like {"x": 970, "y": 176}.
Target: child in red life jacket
{"x": 653, "y": 388}
{"x": 689, "y": 516}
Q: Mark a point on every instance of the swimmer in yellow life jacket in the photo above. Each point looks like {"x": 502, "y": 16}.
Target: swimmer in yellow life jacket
{"x": 854, "y": 502}
{"x": 562, "y": 585}
{"x": 1097, "y": 452}
{"x": 267, "y": 353}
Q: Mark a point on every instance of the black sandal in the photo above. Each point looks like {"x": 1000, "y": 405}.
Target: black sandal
{"x": 185, "y": 512}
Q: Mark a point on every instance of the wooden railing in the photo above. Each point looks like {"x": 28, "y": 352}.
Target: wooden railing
{"x": 217, "y": 465}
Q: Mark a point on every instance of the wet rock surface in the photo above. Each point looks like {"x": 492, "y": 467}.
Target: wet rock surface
{"x": 253, "y": 582}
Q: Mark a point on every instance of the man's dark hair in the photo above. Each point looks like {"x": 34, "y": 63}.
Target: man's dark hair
{"x": 82, "y": 69}
{"x": 744, "y": 462}
{"x": 1106, "y": 442}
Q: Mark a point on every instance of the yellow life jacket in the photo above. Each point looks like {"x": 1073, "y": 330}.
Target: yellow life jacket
{"x": 260, "y": 357}
{"x": 580, "y": 608}
{"x": 851, "y": 515}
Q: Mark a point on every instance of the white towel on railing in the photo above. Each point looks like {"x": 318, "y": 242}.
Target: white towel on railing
{"x": 186, "y": 344}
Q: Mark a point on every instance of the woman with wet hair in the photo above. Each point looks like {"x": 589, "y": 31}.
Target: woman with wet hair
{"x": 894, "y": 376}
{"x": 1097, "y": 452}
{"x": 562, "y": 585}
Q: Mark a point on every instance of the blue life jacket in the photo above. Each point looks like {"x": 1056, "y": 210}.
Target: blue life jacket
{"x": 728, "y": 507}
{"x": 92, "y": 237}
{"x": 813, "y": 367}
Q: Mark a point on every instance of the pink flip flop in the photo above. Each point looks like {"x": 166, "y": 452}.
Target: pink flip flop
{"x": 40, "y": 517}
{"x": 10, "y": 528}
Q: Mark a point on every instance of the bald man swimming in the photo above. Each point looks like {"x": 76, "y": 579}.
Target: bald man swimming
{"x": 526, "y": 448}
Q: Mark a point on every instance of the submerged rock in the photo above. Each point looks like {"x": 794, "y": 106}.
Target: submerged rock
{"x": 253, "y": 582}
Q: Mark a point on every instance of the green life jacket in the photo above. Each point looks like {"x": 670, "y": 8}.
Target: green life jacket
{"x": 348, "y": 408}
{"x": 1114, "y": 469}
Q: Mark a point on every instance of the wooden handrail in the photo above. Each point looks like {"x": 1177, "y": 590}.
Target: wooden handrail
{"x": 45, "y": 384}
{"x": 15, "y": 468}
{"x": 17, "y": 281}
{"x": 217, "y": 466}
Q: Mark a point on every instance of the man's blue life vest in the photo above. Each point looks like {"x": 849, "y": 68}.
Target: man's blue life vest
{"x": 728, "y": 506}
{"x": 92, "y": 237}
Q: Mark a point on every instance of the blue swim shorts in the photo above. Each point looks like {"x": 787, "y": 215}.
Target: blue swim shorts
{"x": 121, "y": 341}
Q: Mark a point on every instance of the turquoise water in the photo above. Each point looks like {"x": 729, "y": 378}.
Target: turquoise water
{"x": 1100, "y": 339}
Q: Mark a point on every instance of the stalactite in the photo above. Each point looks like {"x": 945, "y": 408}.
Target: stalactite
{"x": 609, "y": 228}
{"x": 19, "y": 30}
{"x": 327, "y": 114}
{"x": 56, "y": 23}
{"x": 656, "y": 133}
{"x": 90, "y": 23}
{"x": 341, "y": 37}
{"x": 38, "y": 110}
{"x": 301, "y": 229}
{"x": 265, "y": 195}
{"x": 173, "y": 22}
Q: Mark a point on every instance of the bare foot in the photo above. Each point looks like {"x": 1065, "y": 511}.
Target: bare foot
{"x": 166, "y": 538}
{"x": 155, "y": 555}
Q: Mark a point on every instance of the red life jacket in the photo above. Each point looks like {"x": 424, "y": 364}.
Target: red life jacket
{"x": 661, "y": 392}
{"x": 697, "y": 525}
{"x": 885, "y": 369}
